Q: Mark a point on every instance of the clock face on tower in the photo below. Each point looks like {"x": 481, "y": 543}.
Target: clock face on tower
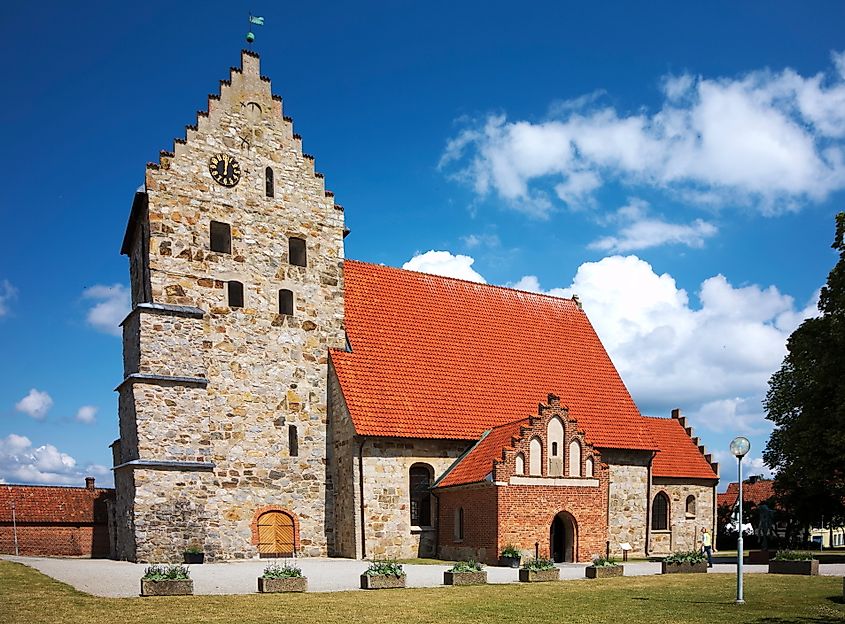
{"x": 224, "y": 169}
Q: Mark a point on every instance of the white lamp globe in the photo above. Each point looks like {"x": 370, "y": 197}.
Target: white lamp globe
{"x": 740, "y": 446}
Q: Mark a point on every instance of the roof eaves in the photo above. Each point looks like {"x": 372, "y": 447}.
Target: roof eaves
{"x": 460, "y": 459}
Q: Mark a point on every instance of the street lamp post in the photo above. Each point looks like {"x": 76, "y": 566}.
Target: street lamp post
{"x": 739, "y": 447}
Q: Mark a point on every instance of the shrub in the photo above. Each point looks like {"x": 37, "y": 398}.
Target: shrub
{"x": 792, "y": 555}
{"x": 538, "y": 565}
{"x": 511, "y": 551}
{"x": 276, "y": 571}
{"x": 166, "y": 572}
{"x": 466, "y": 566}
{"x": 686, "y": 556}
{"x": 600, "y": 561}
{"x": 385, "y": 567}
{"x": 193, "y": 549}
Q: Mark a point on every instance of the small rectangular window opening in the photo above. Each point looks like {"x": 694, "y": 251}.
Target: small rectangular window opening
{"x": 296, "y": 252}
{"x": 293, "y": 441}
{"x": 221, "y": 237}
{"x": 286, "y": 302}
{"x": 236, "y": 294}
{"x": 268, "y": 181}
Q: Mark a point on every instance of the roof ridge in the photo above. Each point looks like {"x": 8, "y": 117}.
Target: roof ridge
{"x": 465, "y": 281}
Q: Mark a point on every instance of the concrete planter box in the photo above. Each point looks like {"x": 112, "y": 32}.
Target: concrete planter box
{"x": 683, "y": 568}
{"x": 167, "y": 588}
{"x": 382, "y": 581}
{"x": 760, "y": 557}
{"x": 604, "y": 571}
{"x": 806, "y": 568}
{"x": 538, "y": 576}
{"x": 194, "y": 558}
{"x": 279, "y": 585}
{"x": 510, "y": 562}
{"x": 465, "y": 578}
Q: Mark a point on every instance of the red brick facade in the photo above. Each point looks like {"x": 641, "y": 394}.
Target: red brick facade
{"x": 55, "y": 521}
{"x": 513, "y": 507}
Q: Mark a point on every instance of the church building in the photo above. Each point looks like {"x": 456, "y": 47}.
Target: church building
{"x": 280, "y": 400}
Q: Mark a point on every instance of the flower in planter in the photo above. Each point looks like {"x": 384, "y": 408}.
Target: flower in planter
{"x": 687, "y": 556}
{"x": 466, "y": 566}
{"x": 193, "y": 549}
{"x": 385, "y": 567}
{"x": 538, "y": 565}
{"x": 511, "y": 552}
{"x": 166, "y": 572}
{"x": 793, "y": 555}
{"x": 276, "y": 571}
{"x": 600, "y": 561}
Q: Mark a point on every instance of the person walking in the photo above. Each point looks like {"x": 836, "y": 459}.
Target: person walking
{"x": 707, "y": 545}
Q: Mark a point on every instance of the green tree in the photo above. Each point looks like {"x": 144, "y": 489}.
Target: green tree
{"x": 806, "y": 403}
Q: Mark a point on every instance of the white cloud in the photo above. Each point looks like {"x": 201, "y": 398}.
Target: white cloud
{"x": 446, "y": 264}
{"x": 8, "y": 293}
{"x": 86, "y": 414}
{"x": 772, "y": 140}
{"x": 36, "y": 404}
{"x": 472, "y": 241}
{"x": 20, "y": 462}
{"x": 113, "y": 304}
{"x": 639, "y": 231}
{"x": 715, "y": 359}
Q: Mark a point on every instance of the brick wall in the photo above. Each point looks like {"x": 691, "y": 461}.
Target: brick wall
{"x": 55, "y": 521}
{"x": 480, "y": 540}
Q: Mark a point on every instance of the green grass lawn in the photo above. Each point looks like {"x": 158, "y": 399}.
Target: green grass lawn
{"x": 28, "y": 597}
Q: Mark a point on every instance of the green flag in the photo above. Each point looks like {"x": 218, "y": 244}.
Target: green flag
{"x": 258, "y": 21}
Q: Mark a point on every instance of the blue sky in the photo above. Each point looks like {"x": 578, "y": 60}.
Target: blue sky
{"x": 677, "y": 167}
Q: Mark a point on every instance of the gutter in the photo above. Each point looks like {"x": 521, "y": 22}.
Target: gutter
{"x": 648, "y": 506}
{"x": 361, "y": 501}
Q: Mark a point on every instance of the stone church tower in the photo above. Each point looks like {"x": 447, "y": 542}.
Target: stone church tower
{"x": 236, "y": 266}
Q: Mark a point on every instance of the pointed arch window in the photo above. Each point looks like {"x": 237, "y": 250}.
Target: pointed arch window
{"x": 575, "y": 458}
{"x": 520, "y": 464}
{"x": 268, "y": 182}
{"x": 589, "y": 467}
{"x": 535, "y": 457}
{"x": 660, "y": 512}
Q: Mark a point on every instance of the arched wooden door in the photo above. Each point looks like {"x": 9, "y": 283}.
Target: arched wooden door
{"x": 275, "y": 534}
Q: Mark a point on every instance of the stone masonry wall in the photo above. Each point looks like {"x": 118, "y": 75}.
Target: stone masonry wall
{"x": 387, "y": 513}
{"x": 685, "y": 530}
{"x": 628, "y": 499}
{"x": 344, "y": 472}
{"x": 265, "y": 371}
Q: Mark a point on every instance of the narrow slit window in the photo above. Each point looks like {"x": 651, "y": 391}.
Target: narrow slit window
{"x": 286, "y": 302}
{"x": 236, "y": 294}
{"x": 459, "y": 524}
{"x": 221, "y": 237}
{"x": 268, "y": 182}
{"x": 293, "y": 440}
{"x": 296, "y": 252}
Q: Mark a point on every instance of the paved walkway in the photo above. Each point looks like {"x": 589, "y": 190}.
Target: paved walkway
{"x": 103, "y": 577}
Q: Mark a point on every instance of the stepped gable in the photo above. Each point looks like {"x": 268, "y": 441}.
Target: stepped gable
{"x": 679, "y": 454}
{"x": 437, "y": 357}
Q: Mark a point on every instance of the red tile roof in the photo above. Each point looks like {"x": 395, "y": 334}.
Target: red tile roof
{"x": 678, "y": 455}
{"x": 758, "y": 492}
{"x": 436, "y": 357}
{"x": 478, "y": 462}
{"x": 54, "y": 504}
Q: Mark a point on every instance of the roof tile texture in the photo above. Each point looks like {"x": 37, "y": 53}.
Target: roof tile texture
{"x": 678, "y": 455}
{"x": 54, "y": 504}
{"x": 478, "y": 462}
{"x": 436, "y": 357}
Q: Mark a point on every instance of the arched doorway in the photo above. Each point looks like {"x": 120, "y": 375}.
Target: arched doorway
{"x": 563, "y": 538}
{"x": 275, "y": 534}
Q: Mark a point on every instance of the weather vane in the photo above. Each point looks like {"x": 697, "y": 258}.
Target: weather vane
{"x": 258, "y": 21}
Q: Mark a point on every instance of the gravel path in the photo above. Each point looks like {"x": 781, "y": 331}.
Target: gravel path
{"x": 103, "y": 577}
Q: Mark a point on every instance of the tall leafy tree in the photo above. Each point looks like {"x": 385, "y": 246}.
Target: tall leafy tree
{"x": 806, "y": 403}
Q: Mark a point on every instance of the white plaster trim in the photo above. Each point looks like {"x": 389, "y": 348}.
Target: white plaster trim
{"x": 554, "y": 481}
{"x": 421, "y": 529}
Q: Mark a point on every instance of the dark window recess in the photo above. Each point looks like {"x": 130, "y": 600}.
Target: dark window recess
{"x": 236, "y": 295}
{"x": 285, "y": 302}
{"x": 459, "y": 525}
{"x": 293, "y": 441}
{"x": 660, "y": 513}
{"x": 221, "y": 237}
{"x": 296, "y": 252}
{"x": 554, "y": 449}
{"x": 268, "y": 181}
{"x": 420, "y": 496}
